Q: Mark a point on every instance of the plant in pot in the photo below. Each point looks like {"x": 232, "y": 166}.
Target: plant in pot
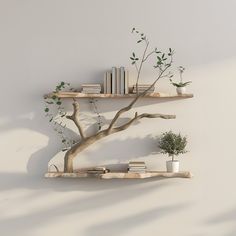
{"x": 173, "y": 145}
{"x": 181, "y": 86}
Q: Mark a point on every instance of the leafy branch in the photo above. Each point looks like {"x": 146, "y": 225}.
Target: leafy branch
{"x": 55, "y": 112}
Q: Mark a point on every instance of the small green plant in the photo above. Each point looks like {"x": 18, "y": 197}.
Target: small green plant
{"x": 181, "y": 83}
{"x": 172, "y": 144}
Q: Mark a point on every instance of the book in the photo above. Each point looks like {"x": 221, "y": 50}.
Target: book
{"x": 118, "y": 81}
{"x": 126, "y": 82}
{"x": 105, "y": 83}
{"x": 109, "y": 82}
{"x": 122, "y": 80}
{"x": 113, "y": 80}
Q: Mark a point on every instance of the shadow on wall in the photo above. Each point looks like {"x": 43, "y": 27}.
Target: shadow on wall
{"x": 226, "y": 217}
{"x": 125, "y": 224}
{"x": 100, "y": 200}
{"x": 105, "y": 151}
{"x": 28, "y": 114}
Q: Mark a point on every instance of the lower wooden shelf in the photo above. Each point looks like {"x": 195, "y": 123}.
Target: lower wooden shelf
{"x": 121, "y": 175}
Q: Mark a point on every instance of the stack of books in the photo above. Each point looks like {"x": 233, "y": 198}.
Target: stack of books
{"x": 137, "y": 167}
{"x": 97, "y": 170}
{"x": 91, "y": 88}
{"x": 116, "y": 81}
{"x": 142, "y": 88}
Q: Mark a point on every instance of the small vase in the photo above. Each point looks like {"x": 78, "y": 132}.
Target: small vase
{"x": 181, "y": 90}
{"x": 172, "y": 166}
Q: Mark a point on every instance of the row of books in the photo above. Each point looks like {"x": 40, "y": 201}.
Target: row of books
{"x": 137, "y": 167}
{"x": 142, "y": 88}
{"x": 116, "y": 81}
{"x": 91, "y": 88}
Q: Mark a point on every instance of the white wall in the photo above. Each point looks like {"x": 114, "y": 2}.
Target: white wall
{"x": 46, "y": 41}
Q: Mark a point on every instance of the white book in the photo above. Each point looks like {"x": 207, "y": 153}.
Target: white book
{"x": 126, "y": 82}
{"x": 118, "y": 81}
{"x": 113, "y": 80}
{"x": 122, "y": 80}
{"x": 105, "y": 83}
{"x": 109, "y": 82}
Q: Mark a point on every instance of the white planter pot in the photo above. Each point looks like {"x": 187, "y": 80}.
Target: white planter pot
{"x": 172, "y": 166}
{"x": 181, "y": 90}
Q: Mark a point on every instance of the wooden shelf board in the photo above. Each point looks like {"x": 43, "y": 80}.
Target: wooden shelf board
{"x": 101, "y": 95}
{"x": 121, "y": 175}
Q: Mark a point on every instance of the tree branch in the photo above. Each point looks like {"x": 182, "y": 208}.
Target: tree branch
{"x": 127, "y": 108}
{"x": 141, "y": 65}
{"x": 75, "y": 119}
{"x": 148, "y": 55}
{"x": 144, "y": 115}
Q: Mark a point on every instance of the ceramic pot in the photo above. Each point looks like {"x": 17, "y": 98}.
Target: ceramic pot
{"x": 172, "y": 166}
{"x": 181, "y": 90}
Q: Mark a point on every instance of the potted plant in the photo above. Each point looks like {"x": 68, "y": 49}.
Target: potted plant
{"x": 173, "y": 145}
{"x": 181, "y": 86}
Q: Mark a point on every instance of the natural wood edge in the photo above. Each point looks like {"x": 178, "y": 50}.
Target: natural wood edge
{"x": 101, "y": 95}
{"x": 121, "y": 175}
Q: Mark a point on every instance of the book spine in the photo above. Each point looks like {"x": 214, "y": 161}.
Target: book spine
{"x": 109, "y": 82}
{"x": 105, "y": 83}
{"x": 113, "y": 83}
{"x": 118, "y": 80}
{"x": 122, "y": 80}
{"x": 126, "y": 82}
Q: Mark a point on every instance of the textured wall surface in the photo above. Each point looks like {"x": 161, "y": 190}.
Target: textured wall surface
{"x": 46, "y": 41}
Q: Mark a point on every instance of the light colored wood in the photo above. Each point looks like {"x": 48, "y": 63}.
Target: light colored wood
{"x": 87, "y": 141}
{"x": 101, "y": 95}
{"x": 149, "y": 174}
{"x": 121, "y": 175}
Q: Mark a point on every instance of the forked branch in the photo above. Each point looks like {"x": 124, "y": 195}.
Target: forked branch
{"x": 75, "y": 118}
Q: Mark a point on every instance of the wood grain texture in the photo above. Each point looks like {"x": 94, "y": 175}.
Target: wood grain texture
{"x": 101, "y": 95}
{"x": 121, "y": 175}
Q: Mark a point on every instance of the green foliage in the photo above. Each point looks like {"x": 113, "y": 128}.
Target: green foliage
{"x": 163, "y": 60}
{"x": 54, "y": 111}
{"x": 172, "y": 144}
{"x": 180, "y": 84}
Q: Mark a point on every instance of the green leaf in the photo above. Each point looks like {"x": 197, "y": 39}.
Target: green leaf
{"x": 62, "y": 83}
{"x": 136, "y": 59}
{"x": 170, "y": 50}
{"x": 159, "y": 58}
{"x": 49, "y": 102}
{"x": 51, "y": 119}
{"x": 133, "y": 62}
{"x": 139, "y": 41}
{"x": 133, "y": 54}
{"x": 63, "y": 140}
{"x": 54, "y": 97}
{"x": 58, "y": 103}
{"x": 131, "y": 58}
{"x": 46, "y": 109}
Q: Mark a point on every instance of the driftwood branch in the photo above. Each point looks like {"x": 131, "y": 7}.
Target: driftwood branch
{"x": 87, "y": 141}
{"x": 144, "y": 115}
{"x": 127, "y": 108}
{"x": 79, "y": 147}
{"x": 75, "y": 118}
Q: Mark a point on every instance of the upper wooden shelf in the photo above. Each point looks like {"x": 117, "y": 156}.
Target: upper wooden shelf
{"x": 101, "y": 95}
